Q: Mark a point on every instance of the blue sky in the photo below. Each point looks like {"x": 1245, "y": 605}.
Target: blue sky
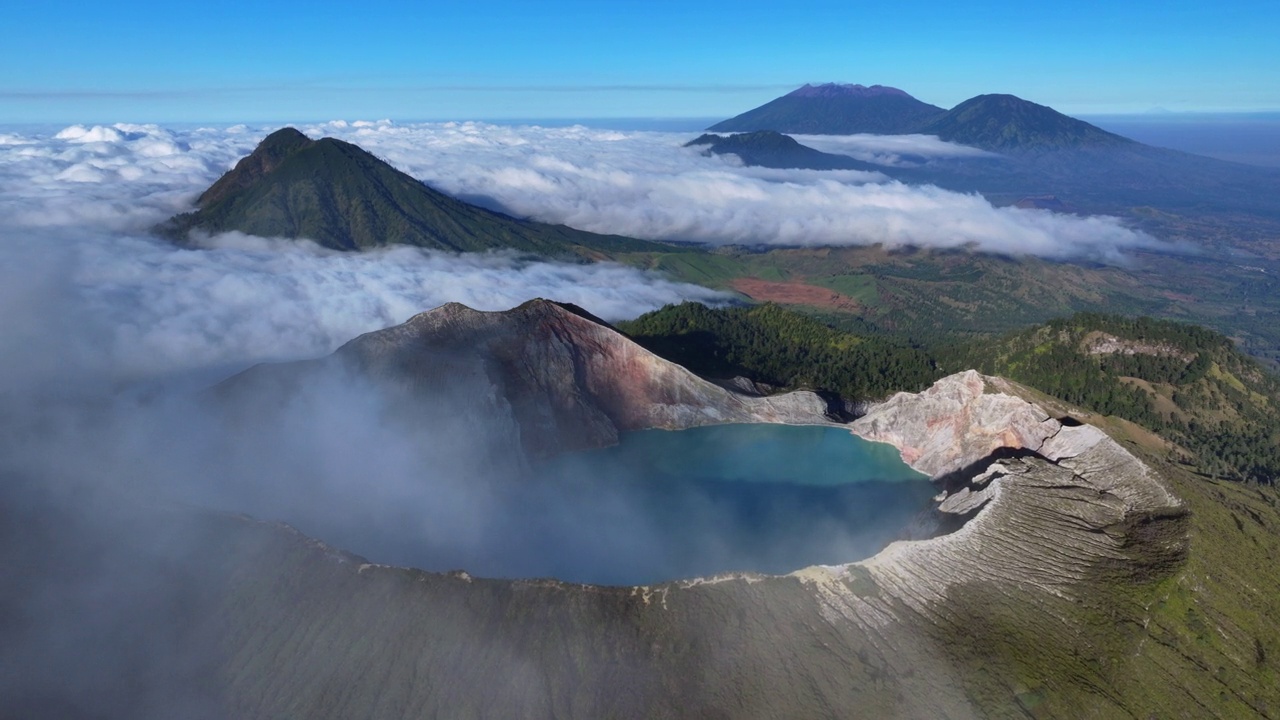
{"x": 230, "y": 61}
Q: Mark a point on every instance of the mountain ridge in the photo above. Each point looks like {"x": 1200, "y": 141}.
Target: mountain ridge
{"x": 833, "y": 109}
{"x": 1009, "y": 468}
{"x": 1007, "y": 123}
{"x": 345, "y": 198}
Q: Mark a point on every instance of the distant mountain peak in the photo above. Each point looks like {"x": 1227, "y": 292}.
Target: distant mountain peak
{"x": 832, "y": 90}
{"x": 265, "y": 158}
{"x": 836, "y": 109}
{"x": 1001, "y": 122}
{"x": 343, "y": 197}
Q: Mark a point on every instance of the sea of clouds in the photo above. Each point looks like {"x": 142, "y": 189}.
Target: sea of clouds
{"x": 84, "y": 283}
{"x": 646, "y": 185}
{"x": 76, "y": 205}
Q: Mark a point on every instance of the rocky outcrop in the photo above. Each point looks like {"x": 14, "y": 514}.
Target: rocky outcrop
{"x": 560, "y": 378}
{"x": 1047, "y": 502}
{"x": 955, "y": 424}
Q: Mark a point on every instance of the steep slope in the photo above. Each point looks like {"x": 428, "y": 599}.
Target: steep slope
{"x": 781, "y": 348}
{"x": 836, "y": 109}
{"x": 1009, "y": 124}
{"x": 766, "y": 148}
{"x": 344, "y": 198}
{"x": 558, "y": 377}
{"x": 1055, "y": 521}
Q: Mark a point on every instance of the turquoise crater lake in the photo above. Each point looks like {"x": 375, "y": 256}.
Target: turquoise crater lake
{"x": 658, "y": 506}
{"x": 665, "y": 505}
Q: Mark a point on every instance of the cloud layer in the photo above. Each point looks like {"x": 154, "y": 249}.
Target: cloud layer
{"x": 85, "y": 286}
{"x": 646, "y": 185}
{"x": 643, "y": 184}
{"x": 891, "y": 149}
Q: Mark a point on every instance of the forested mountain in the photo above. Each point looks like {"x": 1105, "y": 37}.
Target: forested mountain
{"x": 1005, "y": 123}
{"x": 836, "y": 109}
{"x": 782, "y": 348}
{"x": 345, "y": 198}
{"x": 1188, "y": 384}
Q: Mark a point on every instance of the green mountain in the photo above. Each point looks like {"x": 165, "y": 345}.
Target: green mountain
{"x": 1008, "y": 124}
{"x": 345, "y": 198}
{"x": 835, "y": 109}
{"x": 766, "y": 148}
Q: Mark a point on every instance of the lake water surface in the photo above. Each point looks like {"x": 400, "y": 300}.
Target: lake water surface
{"x": 764, "y": 498}
{"x": 659, "y": 506}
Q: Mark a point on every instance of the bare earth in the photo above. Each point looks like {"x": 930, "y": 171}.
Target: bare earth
{"x": 793, "y": 293}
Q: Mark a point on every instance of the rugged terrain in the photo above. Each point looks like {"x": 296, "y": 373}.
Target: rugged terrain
{"x": 1060, "y": 591}
{"x": 556, "y": 377}
{"x": 1081, "y": 575}
{"x": 1067, "y": 534}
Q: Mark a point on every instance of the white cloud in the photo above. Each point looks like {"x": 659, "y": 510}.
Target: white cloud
{"x": 132, "y": 305}
{"x": 891, "y": 149}
{"x": 86, "y": 291}
{"x": 75, "y": 206}
{"x": 644, "y": 184}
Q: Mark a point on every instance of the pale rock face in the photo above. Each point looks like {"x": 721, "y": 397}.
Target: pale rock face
{"x": 955, "y": 423}
{"x": 1033, "y": 519}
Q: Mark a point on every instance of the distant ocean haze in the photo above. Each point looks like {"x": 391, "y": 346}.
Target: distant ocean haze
{"x": 1252, "y": 138}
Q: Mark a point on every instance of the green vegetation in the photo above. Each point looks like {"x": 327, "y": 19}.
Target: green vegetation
{"x": 936, "y": 296}
{"x": 781, "y": 348}
{"x": 1189, "y": 385}
{"x": 1213, "y": 404}
{"x": 344, "y": 198}
{"x": 1004, "y": 123}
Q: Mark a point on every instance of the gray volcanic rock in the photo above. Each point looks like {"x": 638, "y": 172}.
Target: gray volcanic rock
{"x": 1051, "y": 518}
{"x": 1052, "y": 510}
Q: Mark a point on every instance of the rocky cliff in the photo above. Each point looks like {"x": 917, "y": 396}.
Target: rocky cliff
{"x": 558, "y": 377}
